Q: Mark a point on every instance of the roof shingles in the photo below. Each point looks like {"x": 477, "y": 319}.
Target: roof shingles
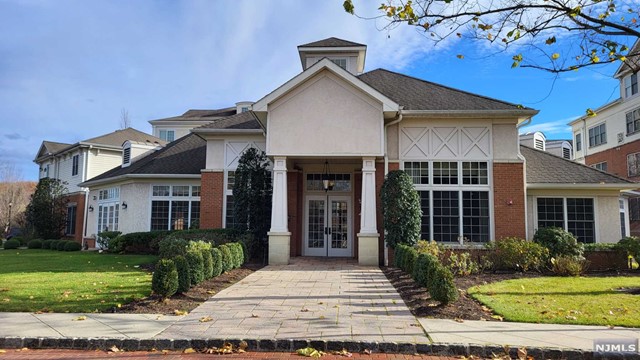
{"x": 418, "y": 94}
{"x": 186, "y": 155}
{"x": 331, "y": 42}
{"x": 545, "y": 168}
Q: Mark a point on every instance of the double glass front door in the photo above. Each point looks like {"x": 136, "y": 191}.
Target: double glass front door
{"x": 328, "y": 226}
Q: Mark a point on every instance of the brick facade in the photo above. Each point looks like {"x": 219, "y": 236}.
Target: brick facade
{"x": 295, "y": 211}
{"x": 616, "y": 159}
{"x": 79, "y": 200}
{"x": 211, "y": 200}
{"x": 509, "y": 200}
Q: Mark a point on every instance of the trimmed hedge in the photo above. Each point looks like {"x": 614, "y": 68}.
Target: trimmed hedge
{"x": 35, "y": 244}
{"x": 149, "y": 242}
{"x": 216, "y": 254}
{"x": 227, "y": 258}
{"x": 208, "y": 263}
{"x": 196, "y": 266}
{"x": 11, "y": 244}
{"x": 61, "y": 244}
{"x": 72, "y": 246}
{"x": 47, "y": 244}
{"x": 164, "y": 281}
{"x": 427, "y": 271}
{"x": 441, "y": 285}
{"x": 184, "y": 278}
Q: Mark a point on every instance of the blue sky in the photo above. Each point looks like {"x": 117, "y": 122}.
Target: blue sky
{"x": 67, "y": 68}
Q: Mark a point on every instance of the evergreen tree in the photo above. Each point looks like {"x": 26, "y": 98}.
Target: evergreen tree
{"x": 47, "y": 210}
{"x": 252, "y": 195}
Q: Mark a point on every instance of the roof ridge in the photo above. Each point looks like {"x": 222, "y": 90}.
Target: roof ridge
{"x": 579, "y": 164}
{"x": 447, "y": 87}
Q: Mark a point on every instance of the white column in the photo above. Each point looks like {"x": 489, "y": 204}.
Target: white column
{"x": 279, "y": 235}
{"x": 368, "y": 236}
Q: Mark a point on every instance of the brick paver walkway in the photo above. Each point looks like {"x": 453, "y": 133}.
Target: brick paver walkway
{"x": 312, "y": 298}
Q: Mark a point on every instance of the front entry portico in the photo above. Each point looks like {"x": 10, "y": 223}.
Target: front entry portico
{"x": 318, "y": 221}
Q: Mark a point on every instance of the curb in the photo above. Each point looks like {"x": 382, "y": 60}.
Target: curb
{"x": 266, "y": 345}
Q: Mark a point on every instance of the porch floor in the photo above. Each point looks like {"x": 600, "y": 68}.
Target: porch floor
{"x": 311, "y": 298}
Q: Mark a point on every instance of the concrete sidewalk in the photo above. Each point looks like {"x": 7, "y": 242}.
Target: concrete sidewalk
{"x": 578, "y": 337}
{"x": 58, "y": 325}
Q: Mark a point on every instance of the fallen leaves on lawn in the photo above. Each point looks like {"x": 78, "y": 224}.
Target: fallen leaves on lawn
{"x": 497, "y": 317}
{"x": 80, "y": 318}
{"x": 188, "y": 351}
{"x": 310, "y": 352}
{"x": 206, "y": 319}
{"x": 180, "y": 312}
{"x": 211, "y": 292}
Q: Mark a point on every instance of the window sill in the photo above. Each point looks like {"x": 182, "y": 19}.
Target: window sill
{"x": 595, "y": 146}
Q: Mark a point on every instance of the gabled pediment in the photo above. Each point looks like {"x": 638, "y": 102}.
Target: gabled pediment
{"x": 388, "y": 105}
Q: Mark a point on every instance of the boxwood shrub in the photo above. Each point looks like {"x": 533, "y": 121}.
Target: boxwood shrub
{"x": 441, "y": 285}
{"x": 171, "y": 246}
{"x": 47, "y": 244}
{"x": 184, "y": 278}
{"x": 559, "y": 242}
{"x": 216, "y": 254}
{"x": 60, "y": 245}
{"x": 35, "y": 244}
{"x": 227, "y": 259}
{"x": 164, "y": 281}
{"x": 424, "y": 264}
{"x": 72, "y": 246}
{"x": 513, "y": 253}
{"x": 11, "y": 244}
{"x": 207, "y": 263}
{"x": 196, "y": 266}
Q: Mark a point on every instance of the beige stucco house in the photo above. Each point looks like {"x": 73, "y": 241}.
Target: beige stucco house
{"x": 334, "y": 121}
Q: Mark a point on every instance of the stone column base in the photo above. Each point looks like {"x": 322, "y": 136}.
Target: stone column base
{"x": 368, "y": 249}
{"x": 279, "y": 248}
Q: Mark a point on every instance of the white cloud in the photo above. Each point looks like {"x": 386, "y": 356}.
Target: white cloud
{"x": 556, "y": 127}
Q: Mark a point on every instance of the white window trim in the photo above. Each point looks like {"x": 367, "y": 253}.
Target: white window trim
{"x": 596, "y": 228}
{"x": 606, "y": 140}
{"x": 460, "y": 188}
{"x": 171, "y": 198}
{"x": 107, "y": 202}
{"x": 166, "y": 134}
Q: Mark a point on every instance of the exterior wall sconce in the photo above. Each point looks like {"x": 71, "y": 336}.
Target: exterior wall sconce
{"x": 90, "y": 208}
{"x": 328, "y": 180}
{"x": 95, "y": 197}
{"x": 124, "y": 205}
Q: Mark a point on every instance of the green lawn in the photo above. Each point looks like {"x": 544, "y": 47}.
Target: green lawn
{"x": 563, "y": 300}
{"x": 45, "y": 280}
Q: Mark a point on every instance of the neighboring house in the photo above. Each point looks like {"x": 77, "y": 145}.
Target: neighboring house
{"x": 333, "y": 132}
{"x": 175, "y": 127}
{"x": 610, "y": 140}
{"x": 75, "y": 163}
{"x": 537, "y": 140}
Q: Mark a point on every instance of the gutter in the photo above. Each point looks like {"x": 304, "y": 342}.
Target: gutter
{"x": 470, "y": 113}
{"x": 139, "y": 176}
{"x": 565, "y": 186}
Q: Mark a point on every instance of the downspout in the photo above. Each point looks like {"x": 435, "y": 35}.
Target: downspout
{"x": 86, "y": 195}
{"x": 397, "y": 120}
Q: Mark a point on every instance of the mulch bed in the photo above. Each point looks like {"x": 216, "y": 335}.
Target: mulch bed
{"x": 190, "y": 300}
{"x": 420, "y": 303}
